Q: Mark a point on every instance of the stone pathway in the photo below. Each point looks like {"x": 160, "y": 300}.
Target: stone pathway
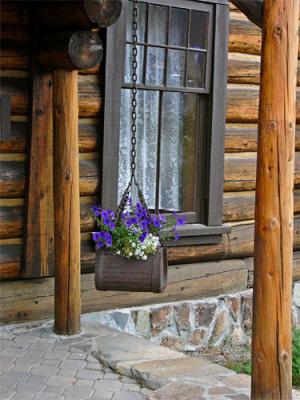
{"x": 36, "y": 364}
{"x": 105, "y": 364}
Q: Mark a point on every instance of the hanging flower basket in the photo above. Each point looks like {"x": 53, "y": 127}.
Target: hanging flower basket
{"x": 129, "y": 252}
{"x": 114, "y": 272}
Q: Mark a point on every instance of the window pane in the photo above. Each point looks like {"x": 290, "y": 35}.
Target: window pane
{"x": 176, "y": 67}
{"x": 155, "y": 66}
{"x": 179, "y": 27}
{"x": 158, "y": 25}
{"x": 196, "y": 69}
{"x": 141, "y": 21}
{"x": 178, "y": 151}
{"x": 199, "y": 30}
{"x": 140, "y": 64}
{"x": 147, "y": 128}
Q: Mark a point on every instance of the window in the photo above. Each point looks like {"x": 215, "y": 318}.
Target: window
{"x": 180, "y": 117}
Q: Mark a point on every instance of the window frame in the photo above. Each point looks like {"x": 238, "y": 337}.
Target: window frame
{"x": 211, "y": 197}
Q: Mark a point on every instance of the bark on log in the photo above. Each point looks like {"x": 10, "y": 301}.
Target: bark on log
{"x": 66, "y": 203}
{"x": 252, "y": 9}
{"x": 71, "y": 50}
{"x": 271, "y": 332}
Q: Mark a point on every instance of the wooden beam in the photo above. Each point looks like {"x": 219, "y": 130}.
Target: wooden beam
{"x": 71, "y": 50}
{"x": 271, "y": 338}
{"x": 252, "y": 9}
{"x": 66, "y": 203}
{"x": 39, "y": 233}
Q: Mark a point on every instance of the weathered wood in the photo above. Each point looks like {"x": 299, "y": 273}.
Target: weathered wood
{"x": 13, "y": 176}
{"x": 17, "y": 89}
{"x": 71, "y": 50}
{"x": 14, "y": 56}
{"x": 24, "y": 301}
{"x": 16, "y": 13}
{"x": 240, "y": 206}
{"x": 66, "y": 203}
{"x": 242, "y": 104}
{"x": 89, "y": 137}
{"x": 240, "y": 171}
{"x": 12, "y": 218}
{"x": 252, "y": 9}
{"x": 5, "y": 114}
{"x": 80, "y": 15}
{"x": 10, "y": 261}
{"x": 272, "y": 297}
{"x": 39, "y": 229}
{"x": 243, "y": 137}
{"x": 244, "y": 68}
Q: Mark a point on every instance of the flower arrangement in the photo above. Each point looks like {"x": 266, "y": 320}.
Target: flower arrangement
{"x": 137, "y": 234}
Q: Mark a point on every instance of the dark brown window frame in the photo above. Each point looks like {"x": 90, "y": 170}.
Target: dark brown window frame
{"x": 211, "y": 198}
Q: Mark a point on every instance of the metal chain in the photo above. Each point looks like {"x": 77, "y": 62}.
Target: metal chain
{"x": 134, "y": 66}
{"x": 134, "y": 87}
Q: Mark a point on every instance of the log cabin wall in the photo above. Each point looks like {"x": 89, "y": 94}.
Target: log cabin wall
{"x": 197, "y": 270}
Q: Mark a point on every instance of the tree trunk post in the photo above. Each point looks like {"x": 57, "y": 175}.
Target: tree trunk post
{"x": 271, "y": 340}
{"x": 66, "y": 203}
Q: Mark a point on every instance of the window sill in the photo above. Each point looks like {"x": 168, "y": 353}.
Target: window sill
{"x": 193, "y": 234}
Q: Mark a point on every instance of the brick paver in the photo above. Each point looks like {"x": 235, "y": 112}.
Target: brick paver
{"x": 36, "y": 364}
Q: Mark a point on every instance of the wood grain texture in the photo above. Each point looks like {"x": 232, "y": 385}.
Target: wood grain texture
{"x": 242, "y": 104}
{"x": 66, "y": 203}
{"x": 240, "y": 206}
{"x": 240, "y": 171}
{"x": 253, "y": 10}
{"x": 243, "y": 137}
{"x": 272, "y": 297}
{"x": 39, "y": 228}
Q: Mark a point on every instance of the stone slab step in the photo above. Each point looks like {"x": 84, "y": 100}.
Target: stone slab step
{"x": 113, "y": 348}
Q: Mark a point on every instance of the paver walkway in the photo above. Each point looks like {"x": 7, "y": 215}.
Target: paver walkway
{"x": 36, "y": 364}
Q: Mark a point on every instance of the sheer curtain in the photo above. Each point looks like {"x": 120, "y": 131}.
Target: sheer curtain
{"x": 171, "y": 119}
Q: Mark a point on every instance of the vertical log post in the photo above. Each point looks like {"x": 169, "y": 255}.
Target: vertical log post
{"x": 66, "y": 203}
{"x": 271, "y": 342}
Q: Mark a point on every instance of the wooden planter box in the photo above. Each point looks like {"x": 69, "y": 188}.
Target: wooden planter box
{"x": 114, "y": 272}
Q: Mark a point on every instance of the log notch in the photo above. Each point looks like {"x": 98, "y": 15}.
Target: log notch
{"x": 71, "y": 50}
{"x": 66, "y": 203}
{"x": 271, "y": 339}
{"x": 253, "y": 9}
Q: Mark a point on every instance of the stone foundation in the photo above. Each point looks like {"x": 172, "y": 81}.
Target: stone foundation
{"x": 195, "y": 324}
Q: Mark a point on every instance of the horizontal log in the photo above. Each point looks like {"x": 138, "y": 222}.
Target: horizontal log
{"x": 240, "y": 206}
{"x": 16, "y": 13}
{"x": 14, "y": 56}
{"x": 71, "y": 50}
{"x": 17, "y": 33}
{"x": 253, "y": 10}
{"x": 244, "y": 68}
{"x": 18, "y": 90}
{"x": 240, "y": 171}
{"x": 89, "y": 137}
{"x": 12, "y": 219}
{"x": 12, "y": 178}
{"x": 242, "y": 104}
{"x": 243, "y": 137}
{"x": 244, "y": 37}
{"x": 30, "y": 300}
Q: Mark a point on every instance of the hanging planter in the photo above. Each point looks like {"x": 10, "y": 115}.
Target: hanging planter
{"x": 128, "y": 246}
{"x": 129, "y": 252}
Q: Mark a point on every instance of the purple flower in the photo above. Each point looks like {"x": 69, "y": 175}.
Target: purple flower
{"x": 143, "y": 237}
{"x": 144, "y": 224}
{"x": 180, "y": 220}
{"x": 155, "y": 221}
{"x": 100, "y": 245}
{"x": 176, "y": 237}
{"x": 96, "y": 236}
{"x": 96, "y": 210}
{"x": 111, "y": 226}
{"x": 108, "y": 239}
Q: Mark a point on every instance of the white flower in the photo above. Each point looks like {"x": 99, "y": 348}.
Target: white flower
{"x": 129, "y": 254}
{"x": 118, "y": 252}
{"x": 133, "y": 244}
{"x": 144, "y": 257}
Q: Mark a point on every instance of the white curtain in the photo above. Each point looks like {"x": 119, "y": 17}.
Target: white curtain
{"x": 172, "y": 121}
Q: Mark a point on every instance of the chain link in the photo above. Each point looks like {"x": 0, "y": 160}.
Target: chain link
{"x": 134, "y": 87}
